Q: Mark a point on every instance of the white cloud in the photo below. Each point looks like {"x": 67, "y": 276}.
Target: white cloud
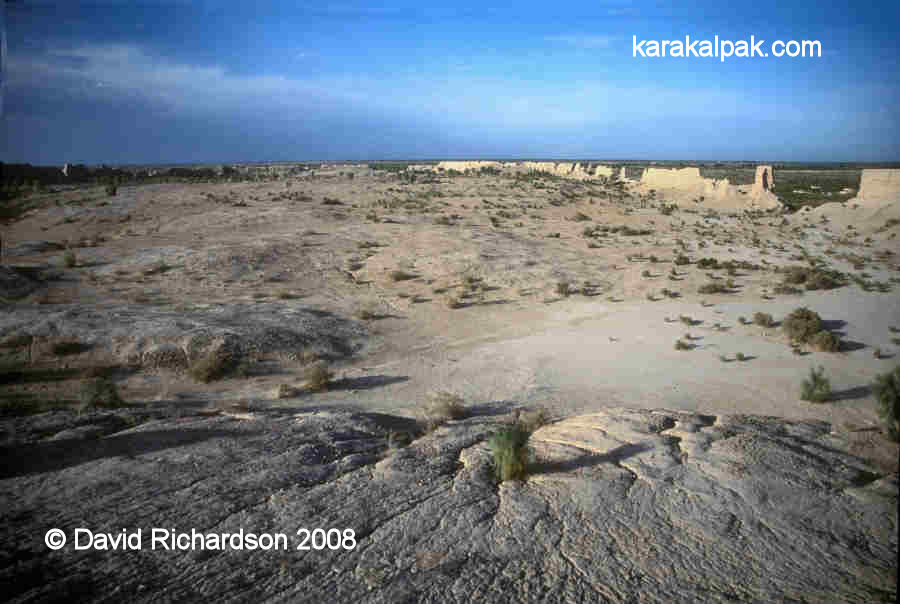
{"x": 454, "y": 100}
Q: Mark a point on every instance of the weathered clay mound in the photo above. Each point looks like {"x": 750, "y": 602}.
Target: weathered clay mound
{"x": 166, "y": 338}
{"x": 623, "y": 505}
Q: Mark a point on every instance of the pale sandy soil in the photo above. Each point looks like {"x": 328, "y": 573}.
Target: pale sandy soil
{"x": 516, "y": 343}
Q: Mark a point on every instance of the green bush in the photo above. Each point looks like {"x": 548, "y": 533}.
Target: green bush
{"x": 509, "y": 447}
{"x": 816, "y": 389}
{"x": 802, "y": 324}
{"x": 887, "y": 393}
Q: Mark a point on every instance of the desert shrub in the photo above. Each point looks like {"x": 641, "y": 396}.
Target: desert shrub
{"x": 825, "y": 341}
{"x": 785, "y": 289}
{"x": 763, "y": 319}
{"x": 69, "y": 259}
{"x": 509, "y": 447}
{"x": 819, "y": 279}
{"x": 713, "y": 287}
{"x": 443, "y": 406}
{"x": 98, "y": 392}
{"x": 366, "y": 313}
{"x": 534, "y": 419}
{"x": 453, "y": 302}
{"x": 802, "y": 324}
{"x": 681, "y": 260}
{"x": 318, "y": 377}
{"x": 111, "y": 189}
{"x": 68, "y": 347}
{"x": 213, "y": 365}
{"x": 740, "y": 356}
{"x": 682, "y": 345}
{"x": 887, "y": 393}
{"x": 686, "y": 320}
{"x": 563, "y": 288}
{"x": 817, "y": 388}
{"x": 402, "y": 276}
{"x": 645, "y": 274}
{"x": 812, "y": 278}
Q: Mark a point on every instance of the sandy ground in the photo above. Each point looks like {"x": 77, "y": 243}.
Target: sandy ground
{"x": 329, "y": 243}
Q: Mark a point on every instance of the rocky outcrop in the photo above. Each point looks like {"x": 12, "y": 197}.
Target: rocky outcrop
{"x": 621, "y": 506}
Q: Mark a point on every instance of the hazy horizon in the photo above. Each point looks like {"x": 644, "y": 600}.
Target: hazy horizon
{"x": 171, "y": 82}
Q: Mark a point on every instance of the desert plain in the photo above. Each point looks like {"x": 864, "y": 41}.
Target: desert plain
{"x": 271, "y": 351}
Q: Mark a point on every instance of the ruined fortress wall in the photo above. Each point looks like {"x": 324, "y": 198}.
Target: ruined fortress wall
{"x": 682, "y": 183}
{"x": 879, "y": 185}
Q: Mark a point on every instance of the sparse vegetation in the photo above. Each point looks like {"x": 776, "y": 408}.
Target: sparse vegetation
{"x": 825, "y": 341}
{"x": 713, "y": 287}
{"x": 812, "y": 278}
{"x": 816, "y": 388}
{"x": 214, "y": 365}
{"x": 511, "y": 453}
{"x": 318, "y": 377}
{"x": 98, "y": 392}
{"x": 69, "y": 259}
{"x": 442, "y": 407}
{"x": 682, "y": 345}
{"x": 763, "y": 319}
{"x": 802, "y": 324}
{"x": 399, "y": 275}
{"x": 887, "y": 393}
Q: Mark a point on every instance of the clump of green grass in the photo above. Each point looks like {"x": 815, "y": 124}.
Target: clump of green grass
{"x": 319, "y": 377}
{"x": 817, "y": 388}
{"x": 69, "y": 259}
{"x": 511, "y": 454}
{"x": 740, "y": 356}
{"x": 887, "y": 393}
{"x": 763, "y": 319}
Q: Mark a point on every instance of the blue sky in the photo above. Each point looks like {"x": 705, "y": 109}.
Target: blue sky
{"x": 160, "y": 81}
